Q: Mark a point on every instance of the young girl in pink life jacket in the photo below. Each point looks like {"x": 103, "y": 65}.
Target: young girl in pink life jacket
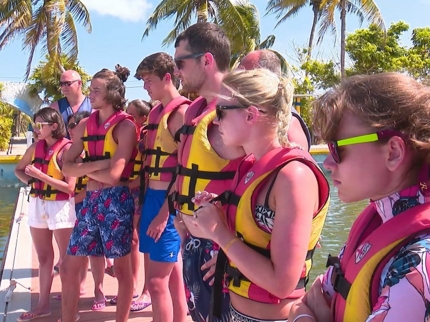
{"x": 377, "y": 128}
{"x": 275, "y": 210}
{"x": 51, "y": 209}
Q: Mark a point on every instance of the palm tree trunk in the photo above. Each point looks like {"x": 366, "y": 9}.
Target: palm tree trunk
{"x": 316, "y": 10}
{"x": 202, "y": 12}
{"x": 342, "y": 37}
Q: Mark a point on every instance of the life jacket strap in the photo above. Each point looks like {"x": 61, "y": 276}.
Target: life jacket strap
{"x": 340, "y": 283}
{"x": 79, "y": 184}
{"x": 40, "y": 161}
{"x": 93, "y": 138}
{"x": 184, "y": 129}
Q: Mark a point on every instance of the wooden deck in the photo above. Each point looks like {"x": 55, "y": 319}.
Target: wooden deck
{"x": 21, "y": 265}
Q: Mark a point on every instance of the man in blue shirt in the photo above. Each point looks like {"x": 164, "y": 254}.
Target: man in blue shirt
{"x": 74, "y": 100}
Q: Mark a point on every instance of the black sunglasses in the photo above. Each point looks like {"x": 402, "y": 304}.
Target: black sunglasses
{"x": 68, "y": 83}
{"x": 72, "y": 125}
{"x": 179, "y": 60}
{"x": 220, "y": 110}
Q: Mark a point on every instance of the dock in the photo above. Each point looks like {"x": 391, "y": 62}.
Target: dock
{"x": 21, "y": 265}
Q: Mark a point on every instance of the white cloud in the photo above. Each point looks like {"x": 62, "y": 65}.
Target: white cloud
{"x": 127, "y": 10}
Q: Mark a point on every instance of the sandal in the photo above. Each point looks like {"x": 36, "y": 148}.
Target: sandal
{"x": 29, "y": 316}
{"x": 115, "y": 298}
{"x": 139, "y": 306}
{"x": 110, "y": 271}
{"x": 98, "y": 305}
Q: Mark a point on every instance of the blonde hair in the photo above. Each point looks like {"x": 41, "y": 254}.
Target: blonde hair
{"x": 264, "y": 89}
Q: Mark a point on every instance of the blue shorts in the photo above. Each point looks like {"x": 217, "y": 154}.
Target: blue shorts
{"x": 167, "y": 248}
{"x": 196, "y": 252}
{"x": 104, "y": 224}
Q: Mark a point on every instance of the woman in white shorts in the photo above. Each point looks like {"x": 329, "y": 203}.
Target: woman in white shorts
{"x": 51, "y": 209}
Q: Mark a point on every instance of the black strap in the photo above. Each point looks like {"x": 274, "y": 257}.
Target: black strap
{"x": 340, "y": 283}
{"x": 93, "y": 138}
{"x": 195, "y": 174}
{"x": 79, "y": 184}
{"x": 151, "y": 127}
{"x": 156, "y": 170}
{"x": 42, "y": 192}
{"x": 40, "y": 161}
{"x": 217, "y": 288}
{"x": 184, "y": 129}
{"x": 91, "y": 158}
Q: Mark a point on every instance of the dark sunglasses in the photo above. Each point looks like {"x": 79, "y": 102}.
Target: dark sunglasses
{"x": 72, "y": 125}
{"x": 333, "y": 146}
{"x": 220, "y": 110}
{"x": 68, "y": 83}
{"x": 179, "y": 60}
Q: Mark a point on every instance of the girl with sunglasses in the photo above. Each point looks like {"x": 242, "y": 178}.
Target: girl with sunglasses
{"x": 378, "y": 133}
{"x": 274, "y": 211}
{"x": 51, "y": 208}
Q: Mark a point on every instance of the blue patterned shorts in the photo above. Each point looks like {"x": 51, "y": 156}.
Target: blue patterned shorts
{"x": 104, "y": 224}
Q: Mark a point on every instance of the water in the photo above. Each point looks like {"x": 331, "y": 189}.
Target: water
{"x": 337, "y": 226}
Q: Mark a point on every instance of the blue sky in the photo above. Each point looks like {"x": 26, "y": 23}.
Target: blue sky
{"x": 118, "y": 26}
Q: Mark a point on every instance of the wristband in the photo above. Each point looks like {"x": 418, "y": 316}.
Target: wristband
{"x": 231, "y": 242}
{"x": 303, "y": 316}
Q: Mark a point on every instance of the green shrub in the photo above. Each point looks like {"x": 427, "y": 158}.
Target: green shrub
{"x": 5, "y": 132}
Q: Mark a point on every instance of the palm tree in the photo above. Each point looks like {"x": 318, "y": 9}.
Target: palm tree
{"x": 285, "y": 9}
{"x": 44, "y": 78}
{"x": 364, "y": 9}
{"x": 50, "y": 23}
{"x": 239, "y": 18}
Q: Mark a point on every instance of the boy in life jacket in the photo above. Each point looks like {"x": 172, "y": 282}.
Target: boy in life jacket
{"x": 104, "y": 224}
{"x": 157, "y": 234}
{"x": 377, "y": 130}
{"x": 51, "y": 208}
{"x": 97, "y": 263}
{"x": 139, "y": 109}
{"x": 202, "y": 59}
{"x": 276, "y": 206}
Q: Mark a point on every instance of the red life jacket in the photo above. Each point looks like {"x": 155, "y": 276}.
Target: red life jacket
{"x": 200, "y": 168}
{"x": 99, "y": 143}
{"x": 46, "y": 162}
{"x": 370, "y": 246}
{"x": 161, "y": 151}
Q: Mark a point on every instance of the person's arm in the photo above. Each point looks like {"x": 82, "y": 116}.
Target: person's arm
{"x": 126, "y": 141}
{"x": 134, "y": 184}
{"x": 291, "y": 231}
{"x": 296, "y": 134}
{"x": 67, "y": 185}
{"x": 158, "y": 224}
{"x": 71, "y": 168}
{"x": 80, "y": 196}
{"x": 23, "y": 163}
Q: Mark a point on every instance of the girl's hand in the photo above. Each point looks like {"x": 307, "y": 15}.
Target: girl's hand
{"x": 32, "y": 171}
{"x": 208, "y": 217}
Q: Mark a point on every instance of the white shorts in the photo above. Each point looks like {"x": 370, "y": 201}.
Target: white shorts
{"x": 51, "y": 214}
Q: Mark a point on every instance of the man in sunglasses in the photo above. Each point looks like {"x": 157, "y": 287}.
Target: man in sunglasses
{"x": 202, "y": 59}
{"x": 267, "y": 59}
{"x": 74, "y": 100}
